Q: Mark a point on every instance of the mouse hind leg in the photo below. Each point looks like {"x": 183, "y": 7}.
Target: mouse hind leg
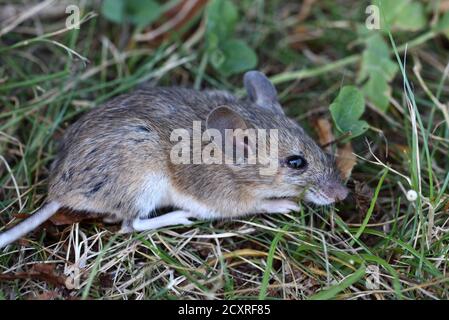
{"x": 188, "y": 208}
{"x": 153, "y": 194}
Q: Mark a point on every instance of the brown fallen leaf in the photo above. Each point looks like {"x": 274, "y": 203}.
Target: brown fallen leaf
{"x": 306, "y": 9}
{"x": 66, "y": 217}
{"x": 444, "y": 5}
{"x": 323, "y": 129}
{"x": 62, "y": 217}
{"x": 40, "y": 271}
{"x": 446, "y": 207}
{"x": 363, "y": 195}
{"x": 106, "y": 280}
{"x": 300, "y": 34}
{"x": 345, "y": 160}
{"x": 21, "y": 215}
{"x": 47, "y": 295}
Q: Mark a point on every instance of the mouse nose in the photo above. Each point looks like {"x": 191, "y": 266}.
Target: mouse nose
{"x": 335, "y": 190}
{"x": 341, "y": 192}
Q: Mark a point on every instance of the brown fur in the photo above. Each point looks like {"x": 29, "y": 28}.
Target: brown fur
{"x": 105, "y": 154}
{"x": 115, "y": 161}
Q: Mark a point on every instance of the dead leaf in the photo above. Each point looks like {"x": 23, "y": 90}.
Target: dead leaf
{"x": 444, "y": 5}
{"x": 23, "y": 242}
{"x": 48, "y": 295}
{"x": 300, "y": 34}
{"x": 446, "y": 207}
{"x": 106, "y": 280}
{"x": 62, "y": 217}
{"x": 345, "y": 160}
{"x": 21, "y": 215}
{"x": 323, "y": 129}
{"x": 306, "y": 8}
{"x": 40, "y": 271}
{"x": 363, "y": 195}
{"x": 66, "y": 217}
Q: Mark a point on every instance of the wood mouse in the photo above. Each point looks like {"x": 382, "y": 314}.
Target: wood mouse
{"x": 115, "y": 161}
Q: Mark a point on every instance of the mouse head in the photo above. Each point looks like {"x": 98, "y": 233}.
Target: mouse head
{"x": 301, "y": 165}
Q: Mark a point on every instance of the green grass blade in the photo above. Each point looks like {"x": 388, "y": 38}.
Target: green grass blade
{"x": 332, "y": 292}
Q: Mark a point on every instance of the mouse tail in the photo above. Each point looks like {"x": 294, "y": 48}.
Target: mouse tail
{"x": 29, "y": 224}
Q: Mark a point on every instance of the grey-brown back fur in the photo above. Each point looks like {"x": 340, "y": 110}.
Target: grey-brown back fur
{"x": 115, "y": 161}
{"x": 105, "y": 155}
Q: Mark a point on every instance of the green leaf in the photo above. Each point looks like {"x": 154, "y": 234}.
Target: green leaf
{"x": 227, "y": 54}
{"x": 335, "y": 289}
{"x": 113, "y": 10}
{"x": 388, "y": 11}
{"x": 376, "y": 57}
{"x": 443, "y": 25}
{"x": 379, "y": 69}
{"x": 412, "y": 17}
{"x": 221, "y": 18}
{"x": 142, "y": 12}
{"x": 217, "y": 58}
{"x": 401, "y": 14}
{"x": 237, "y": 57}
{"x": 377, "y": 90}
{"x": 138, "y": 12}
{"x": 346, "y": 111}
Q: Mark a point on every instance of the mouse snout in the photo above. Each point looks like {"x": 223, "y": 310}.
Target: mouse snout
{"x": 335, "y": 190}
{"x": 326, "y": 193}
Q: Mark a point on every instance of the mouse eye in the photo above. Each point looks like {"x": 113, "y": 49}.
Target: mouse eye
{"x": 296, "y": 162}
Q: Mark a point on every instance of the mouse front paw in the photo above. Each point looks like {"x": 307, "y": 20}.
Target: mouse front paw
{"x": 279, "y": 206}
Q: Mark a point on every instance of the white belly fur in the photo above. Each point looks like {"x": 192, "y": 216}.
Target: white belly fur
{"x": 157, "y": 192}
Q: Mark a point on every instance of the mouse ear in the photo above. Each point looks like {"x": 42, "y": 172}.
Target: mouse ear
{"x": 220, "y": 120}
{"x": 261, "y": 91}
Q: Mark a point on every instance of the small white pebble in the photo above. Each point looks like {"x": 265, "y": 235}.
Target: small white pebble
{"x": 412, "y": 195}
